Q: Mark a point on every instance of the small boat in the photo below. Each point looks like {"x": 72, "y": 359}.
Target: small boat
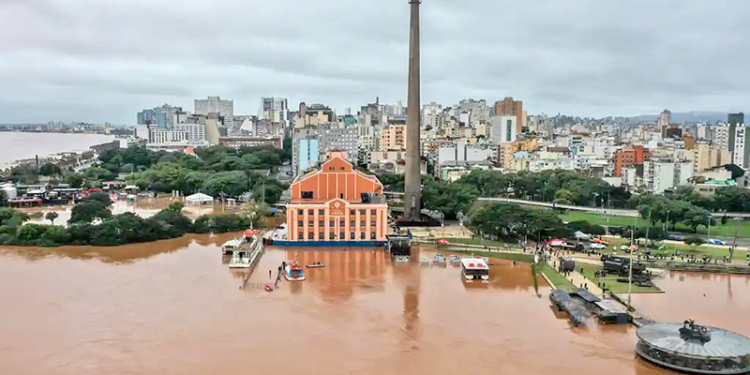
{"x": 424, "y": 260}
{"x": 240, "y": 259}
{"x": 454, "y": 259}
{"x": 438, "y": 258}
{"x": 268, "y": 288}
{"x": 294, "y": 272}
{"x": 231, "y": 246}
{"x": 401, "y": 259}
{"x": 316, "y": 265}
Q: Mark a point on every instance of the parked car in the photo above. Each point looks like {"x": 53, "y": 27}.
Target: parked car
{"x": 598, "y": 246}
{"x": 714, "y": 241}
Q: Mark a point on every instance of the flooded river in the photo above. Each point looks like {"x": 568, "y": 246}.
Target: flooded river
{"x": 172, "y": 307}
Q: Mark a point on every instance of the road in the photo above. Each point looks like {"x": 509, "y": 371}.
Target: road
{"x": 598, "y": 210}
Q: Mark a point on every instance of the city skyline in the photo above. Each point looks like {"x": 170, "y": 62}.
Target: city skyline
{"x": 611, "y": 59}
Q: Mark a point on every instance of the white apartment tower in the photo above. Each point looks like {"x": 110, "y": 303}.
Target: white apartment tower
{"x": 214, "y": 104}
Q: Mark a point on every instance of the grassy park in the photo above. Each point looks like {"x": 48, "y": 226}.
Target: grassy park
{"x": 589, "y": 270}
{"x": 719, "y": 229}
{"x": 740, "y": 255}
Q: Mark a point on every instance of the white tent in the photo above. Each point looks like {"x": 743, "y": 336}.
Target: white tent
{"x": 199, "y": 198}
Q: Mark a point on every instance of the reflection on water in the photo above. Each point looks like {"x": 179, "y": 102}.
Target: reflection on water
{"x": 172, "y": 307}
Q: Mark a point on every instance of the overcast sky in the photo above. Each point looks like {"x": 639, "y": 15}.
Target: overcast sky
{"x": 104, "y": 60}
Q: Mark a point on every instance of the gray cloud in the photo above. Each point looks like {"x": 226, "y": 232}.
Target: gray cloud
{"x": 103, "y": 60}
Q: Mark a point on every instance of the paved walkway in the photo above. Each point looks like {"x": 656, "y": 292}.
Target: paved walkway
{"x": 577, "y": 279}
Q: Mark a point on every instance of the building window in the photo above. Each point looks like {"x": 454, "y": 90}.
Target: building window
{"x": 307, "y": 195}
{"x": 311, "y": 236}
{"x": 342, "y": 236}
{"x": 321, "y": 223}
{"x": 343, "y": 168}
{"x": 362, "y": 235}
{"x": 301, "y": 236}
{"x": 352, "y": 212}
{"x": 321, "y": 236}
{"x": 361, "y": 212}
{"x": 310, "y": 223}
{"x": 372, "y": 235}
{"x": 351, "y": 236}
{"x": 301, "y": 223}
{"x": 331, "y": 236}
{"x": 341, "y": 195}
{"x": 333, "y": 223}
{"x": 362, "y": 224}
{"x": 300, "y": 212}
{"x": 372, "y": 223}
{"x": 352, "y": 223}
{"x": 321, "y": 212}
{"x": 372, "y": 212}
{"x": 342, "y": 223}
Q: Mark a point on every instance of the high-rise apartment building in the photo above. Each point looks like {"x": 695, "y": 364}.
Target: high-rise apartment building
{"x": 705, "y": 157}
{"x": 393, "y": 137}
{"x": 214, "y": 104}
{"x": 510, "y": 107}
{"x": 628, "y": 156}
{"x": 734, "y": 120}
{"x": 665, "y": 118}
{"x": 741, "y": 151}
{"x": 163, "y": 117}
{"x": 504, "y": 129}
{"x": 275, "y": 110}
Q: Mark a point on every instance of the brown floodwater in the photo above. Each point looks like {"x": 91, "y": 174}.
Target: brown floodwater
{"x": 173, "y": 307}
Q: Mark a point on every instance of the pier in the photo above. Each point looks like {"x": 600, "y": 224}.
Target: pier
{"x": 255, "y": 249}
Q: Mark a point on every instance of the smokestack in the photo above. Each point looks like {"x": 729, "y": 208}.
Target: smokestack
{"x": 412, "y": 188}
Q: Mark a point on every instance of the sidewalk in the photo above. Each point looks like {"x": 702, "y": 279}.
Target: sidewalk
{"x": 578, "y": 280}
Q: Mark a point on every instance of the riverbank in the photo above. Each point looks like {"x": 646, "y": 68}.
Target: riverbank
{"x": 21, "y": 148}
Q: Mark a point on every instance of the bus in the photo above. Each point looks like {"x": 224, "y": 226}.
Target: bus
{"x": 475, "y": 269}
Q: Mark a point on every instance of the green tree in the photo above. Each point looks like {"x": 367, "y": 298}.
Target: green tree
{"x": 51, "y": 216}
{"x": 50, "y": 169}
{"x": 99, "y": 174}
{"x": 564, "y": 196}
{"x": 100, "y": 197}
{"x": 230, "y": 183}
{"x": 696, "y": 216}
{"x": 694, "y": 241}
{"x": 88, "y": 211}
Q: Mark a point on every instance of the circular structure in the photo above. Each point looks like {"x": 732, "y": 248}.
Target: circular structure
{"x": 692, "y": 348}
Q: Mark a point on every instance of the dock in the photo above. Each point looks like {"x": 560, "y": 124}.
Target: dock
{"x": 255, "y": 249}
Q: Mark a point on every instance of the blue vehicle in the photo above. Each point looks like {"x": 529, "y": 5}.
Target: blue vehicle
{"x": 714, "y": 241}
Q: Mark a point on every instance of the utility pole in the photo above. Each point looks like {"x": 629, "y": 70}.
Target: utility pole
{"x": 734, "y": 241}
{"x": 630, "y": 268}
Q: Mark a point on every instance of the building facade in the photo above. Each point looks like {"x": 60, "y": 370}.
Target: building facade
{"x": 628, "y": 156}
{"x": 741, "y": 150}
{"x": 393, "y": 138}
{"x": 504, "y": 129}
{"x": 510, "y": 107}
{"x": 214, "y": 104}
{"x": 337, "y": 205}
{"x": 239, "y": 141}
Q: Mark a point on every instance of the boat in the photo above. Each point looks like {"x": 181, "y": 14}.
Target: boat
{"x": 401, "y": 259}
{"x": 438, "y": 258}
{"x": 231, "y": 246}
{"x": 475, "y": 269}
{"x": 240, "y": 259}
{"x": 316, "y": 265}
{"x": 424, "y": 260}
{"x": 294, "y": 272}
{"x": 454, "y": 259}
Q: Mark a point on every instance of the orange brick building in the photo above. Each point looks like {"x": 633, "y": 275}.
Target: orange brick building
{"x": 628, "y": 156}
{"x": 337, "y": 205}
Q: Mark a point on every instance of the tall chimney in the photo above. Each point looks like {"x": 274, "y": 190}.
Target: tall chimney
{"x": 413, "y": 183}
